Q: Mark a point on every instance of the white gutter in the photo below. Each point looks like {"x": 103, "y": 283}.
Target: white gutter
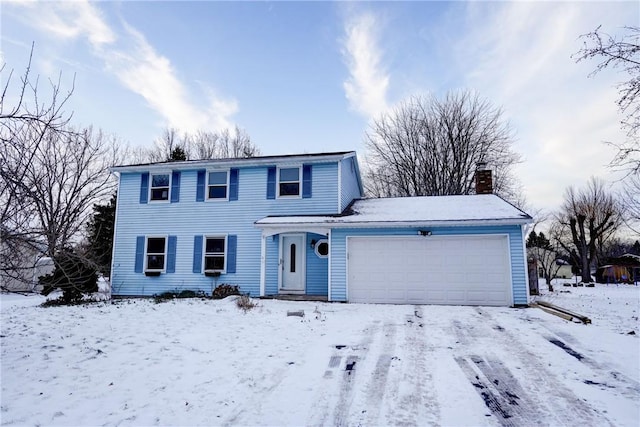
{"x": 390, "y": 224}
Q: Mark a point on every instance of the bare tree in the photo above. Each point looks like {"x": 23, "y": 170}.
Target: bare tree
{"x": 631, "y": 198}
{"x": 224, "y": 144}
{"x": 201, "y": 145}
{"x": 545, "y": 252}
{"x": 166, "y": 144}
{"x": 622, "y": 53}
{"x": 588, "y": 217}
{"x": 69, "y": 175}
{"x": 27, "y": 113}
{"x": 430, "y": 146}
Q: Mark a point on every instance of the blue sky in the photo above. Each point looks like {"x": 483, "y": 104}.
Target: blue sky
{"x": 310, "y": 76}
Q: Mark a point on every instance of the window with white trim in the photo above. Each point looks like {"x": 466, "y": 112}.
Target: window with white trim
{"x": 218, "y": 185}
{"x": 156, "y": 254}
{"x": 289, "y": 182}
{"x": 159, "y": 188}
{"x": 215, "y": 249}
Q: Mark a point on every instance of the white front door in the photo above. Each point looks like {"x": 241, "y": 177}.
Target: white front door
{"x": 292, "y": 263}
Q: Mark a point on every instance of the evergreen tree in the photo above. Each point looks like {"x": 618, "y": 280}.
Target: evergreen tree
{"x": 538, "y": 241}
{"x": 73, "y": 274}
{"x": 100, "y": 235}
{"x": 177, "y": 154}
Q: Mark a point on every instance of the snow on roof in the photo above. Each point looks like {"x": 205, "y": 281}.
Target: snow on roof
{"x": 441, "y": 210}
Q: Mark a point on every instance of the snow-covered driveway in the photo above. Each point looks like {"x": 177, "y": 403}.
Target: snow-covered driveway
{"x": 196, "y": 362}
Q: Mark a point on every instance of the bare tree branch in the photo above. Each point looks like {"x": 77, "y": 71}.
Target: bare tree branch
{"x": 428, "y": 146}
{"x": 622, "y": 53}
{"x": 588, "y": 218}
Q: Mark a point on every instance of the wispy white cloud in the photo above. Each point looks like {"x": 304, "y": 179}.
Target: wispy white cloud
{"x": 519, "y": 56}
{"x": 128, "y": 55}
{"x": 368, "y": 82}
{"x": 69, "y": 20}
{"x": 142, "y": 70}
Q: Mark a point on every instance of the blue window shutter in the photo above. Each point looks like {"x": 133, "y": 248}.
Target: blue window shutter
{"x": 202, "y": 174}
{"x": 232, "y": 248}
{"x": 197, "y": 254}
{"x": 175, "y": 187}
{"x": 139, "y": 254}
{"x": 306, "y": 181}
{"x": 233, "y": 184}
{"x": 171, "y": 254}
{"x": 271, "y": 183}
{"x": 144, "y": 187}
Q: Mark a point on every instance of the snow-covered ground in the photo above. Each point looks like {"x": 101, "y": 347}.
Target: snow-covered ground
{"x": 204, "y": 362}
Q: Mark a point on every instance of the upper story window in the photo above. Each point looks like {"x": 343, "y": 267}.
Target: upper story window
{"x": 217, "y": 185}
{"x": 289, "y": 182}
{"x": 160, "y": 184}
{"x": 156, "y": 254}
{"x": 214, "y": 253}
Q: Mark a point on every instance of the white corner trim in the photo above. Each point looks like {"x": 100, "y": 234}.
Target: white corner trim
{"x": 263, "y": 265}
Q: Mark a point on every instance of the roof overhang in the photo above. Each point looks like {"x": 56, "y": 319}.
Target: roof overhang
{"x": 234, "y": 162}
{"x": 276, "y": 225}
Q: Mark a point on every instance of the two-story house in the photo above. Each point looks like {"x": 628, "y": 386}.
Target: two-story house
{"x": 297, "y": 224}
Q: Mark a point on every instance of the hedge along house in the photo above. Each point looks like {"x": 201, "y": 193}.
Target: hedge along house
{"x": 298, "y": 225}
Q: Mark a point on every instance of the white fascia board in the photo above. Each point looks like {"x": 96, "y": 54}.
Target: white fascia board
{"x": 294, "y": 228}
{"x": 244, "y": 162}
{"x": 388, "y": 224}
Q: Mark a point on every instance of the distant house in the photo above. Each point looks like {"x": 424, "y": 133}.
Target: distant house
{"x": 624, "y": 269}
{"x": 297, "y": 224}
{"x": 22, "y": 264}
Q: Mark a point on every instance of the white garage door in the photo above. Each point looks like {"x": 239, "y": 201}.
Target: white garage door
{"x": 456, "y": 270}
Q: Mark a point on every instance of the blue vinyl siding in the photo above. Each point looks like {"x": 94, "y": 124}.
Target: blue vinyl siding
{"x": 350, "y": 187}
{"x": 339, "y": 256}
{"x": 273, "y": 257}
{"x": 189, "y": 218}
{"x": 317, "y": 269}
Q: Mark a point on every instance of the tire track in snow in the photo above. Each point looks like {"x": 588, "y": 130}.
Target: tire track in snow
{"x": 376, "y": 388}
{"x": 417, "y": 403}
{"x": 335, "y": 393}
{"x": 628, "y": 386}
{"x": 565, "y": 408}
{"x": 500, "y": 391}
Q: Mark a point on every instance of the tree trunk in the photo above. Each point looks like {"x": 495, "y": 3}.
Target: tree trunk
{"x": 533, "y": 277}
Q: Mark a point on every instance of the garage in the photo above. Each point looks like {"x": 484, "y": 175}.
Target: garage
{"x": 450, "y": 270}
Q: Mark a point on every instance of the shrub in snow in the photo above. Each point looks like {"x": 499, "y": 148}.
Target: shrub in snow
{"x": 73, "y": 275}
{"x": 245, "y": 303}
{"x": 169, "y": 295}
{"x": 224, "y": 291}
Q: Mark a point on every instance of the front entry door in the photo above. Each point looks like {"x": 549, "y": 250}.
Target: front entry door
{"x": 293, "y": 265}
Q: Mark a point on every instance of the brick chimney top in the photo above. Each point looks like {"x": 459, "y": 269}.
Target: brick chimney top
{"x": 484, "y": 180}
